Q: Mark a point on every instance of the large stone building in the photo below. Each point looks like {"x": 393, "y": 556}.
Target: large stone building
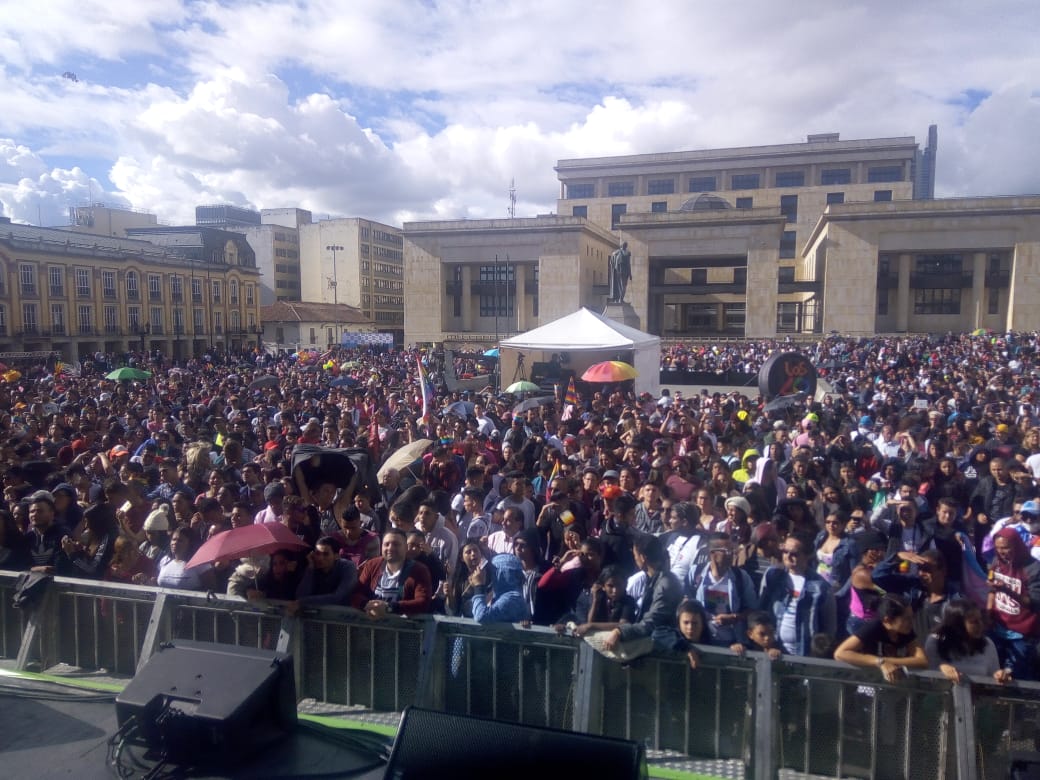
{"x": 78, "y": 294}
{"x": 696, "y": 223}
{"x": 277, "y": 245}
{"x": 356, "y": 262}
{"x": 795, "y": 238}
{"x": 474, "y": 281}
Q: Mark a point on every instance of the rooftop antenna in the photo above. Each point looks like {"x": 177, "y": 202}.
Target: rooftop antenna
{"x": 512, "y": 198}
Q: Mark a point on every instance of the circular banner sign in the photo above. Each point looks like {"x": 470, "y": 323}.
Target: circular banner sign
{"x": 787, "y": 373}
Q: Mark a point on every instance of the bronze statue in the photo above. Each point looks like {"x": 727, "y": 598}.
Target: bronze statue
{"x": 619, "y": 273}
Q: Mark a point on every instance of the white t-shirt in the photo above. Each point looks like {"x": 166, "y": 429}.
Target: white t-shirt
{"x": 788, "y": 628}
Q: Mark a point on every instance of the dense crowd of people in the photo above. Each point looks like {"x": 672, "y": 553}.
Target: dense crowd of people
{"x": 893, "y": 524}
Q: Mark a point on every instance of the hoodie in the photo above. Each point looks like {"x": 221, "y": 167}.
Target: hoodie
{"x": 508, "y": 604}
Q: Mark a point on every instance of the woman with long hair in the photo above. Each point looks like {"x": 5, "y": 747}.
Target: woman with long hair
{"x": 959, "y": 646}
{"x": 887, "y": 642}
{"x": 457, "y": 590}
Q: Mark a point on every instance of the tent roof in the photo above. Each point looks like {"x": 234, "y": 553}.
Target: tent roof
{"x": 582, "y": 330}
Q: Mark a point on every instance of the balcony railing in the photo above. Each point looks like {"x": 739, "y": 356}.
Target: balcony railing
{"x": 155, "y": 296}
{"x": 177, "y": 297}
{"x": 56, "y": 292}
{"x": 83, "y": 292}
{"x": 196, "y": 297}
{"x": 954, "y": 281}
{"x": 133, "y": 295}
{"x": 109, "y": 295}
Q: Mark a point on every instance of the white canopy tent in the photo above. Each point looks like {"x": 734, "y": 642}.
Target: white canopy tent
{"x": 582, "y": 339}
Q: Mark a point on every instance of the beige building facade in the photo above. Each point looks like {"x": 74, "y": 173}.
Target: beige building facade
{"x": 955, "y": 265}
{"x": 76, "y": 294}
{"x": 476, "y": 281}
{"x": 356, "y": 262}
{"x": 642, "y": 193}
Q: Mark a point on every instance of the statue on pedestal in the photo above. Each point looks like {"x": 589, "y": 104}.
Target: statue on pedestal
{"x": 619, "y": 273}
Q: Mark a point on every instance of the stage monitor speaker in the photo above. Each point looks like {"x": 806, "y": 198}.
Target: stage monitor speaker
{"x": 201, "y": 702}
{"x": 439, "y": 744}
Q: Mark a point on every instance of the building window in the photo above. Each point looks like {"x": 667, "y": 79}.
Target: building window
{"x": 30, "y": 320}
{"x": 108, "y": 284}
{"x": 786, "y": 274}
{"x": 616, "y": 210}
{"x": 620, "y": 189}
{"x": 154, "y": 287}
{"x": 83, "y": 282}
{"x": 218, "y": 323}
{"x": 250, "y": 295}
{"x": 3, "y": 320}
{"x": 251, "y": 319}
{"x": 787, "y": 244}
{"x": 581, "y": 191}
{"x": 58, "y": 319}
{"x": 196, "y": 290}
{"x": 882, "y": 302}
{"x": 3, "y": 279}
{"x": 177, "y": 288}
{"x": 86, "y": 320}
{"x": 745, "y": 203}
{"x": 787, "y": 317}
{"x": 789, "y": 207}
{"x": 702, "y": 184}
{"x": 157, "y": 319}
{"x": 27, "y": 278}
{"x": 133, "y": 318}
{"x": 233, "y": 291}
{"x": 178, "y": 321}
{"x": 698, "y": 276}
{"x": 834, "y": 198}
{"x": 580, "y": 211}
{"x": 328, "y": 336}
{"x": 937, "y": 301}
{"x": 235, "y": 321}
{"x": 836, "y": 176}
{"x": 132, "y": 288}
{"x": 744, "y": 181}
{"x": 993, "y": 305}
{"x": 659, "y": 207}
{"x": 882, "y": 196}
{"x": 740, "y": 275}
{"x": 882, "y": 173}
{"x": 734, "y": 316}
{"x": 198, "y": 320}
{"x": 314, "y": 336}
{"x": 660, "y": 187}
{"x": 790, "y": 178}
{"x": 111, "y": 314}
{"x": 504, "y": 308}
{"x": 56, "y": 274}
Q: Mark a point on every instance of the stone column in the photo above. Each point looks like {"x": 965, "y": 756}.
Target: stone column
{"x": 978, "y": 290}
{"x": 903, "y": 300}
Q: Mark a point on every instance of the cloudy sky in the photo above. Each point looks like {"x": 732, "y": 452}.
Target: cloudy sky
{"x": 411, "y": 110}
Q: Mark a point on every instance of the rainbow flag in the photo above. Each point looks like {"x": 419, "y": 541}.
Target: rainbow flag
{"x": 426, "y": 388}
{"x": 571, "y": 397}
{"x": 552, "y": 475}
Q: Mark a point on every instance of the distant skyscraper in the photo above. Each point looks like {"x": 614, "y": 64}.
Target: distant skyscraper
{"x": 225, "y": 216}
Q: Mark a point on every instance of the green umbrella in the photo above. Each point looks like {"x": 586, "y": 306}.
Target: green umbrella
{"x": 522, "y": 386}
{"x": 127, "y": 374}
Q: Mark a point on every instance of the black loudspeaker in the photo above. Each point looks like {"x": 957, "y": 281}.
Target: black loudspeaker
{"x": 200, "y": 702}
{"x": 438, "y": 744}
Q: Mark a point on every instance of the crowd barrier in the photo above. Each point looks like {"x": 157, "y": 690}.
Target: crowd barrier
{"x": 744, "y": 716}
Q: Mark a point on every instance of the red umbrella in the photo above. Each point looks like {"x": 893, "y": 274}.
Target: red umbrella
{"x": 610, "y": 371}
{"x": 256, "y": 539}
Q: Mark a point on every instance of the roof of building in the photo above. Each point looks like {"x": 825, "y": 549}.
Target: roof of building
{"x": 303, "y": 311}
{"x": 58, "y": 240}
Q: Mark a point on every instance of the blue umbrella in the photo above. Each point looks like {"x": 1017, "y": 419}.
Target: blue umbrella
{"x": 492, "y": 353}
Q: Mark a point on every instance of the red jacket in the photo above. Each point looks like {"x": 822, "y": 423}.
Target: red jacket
{"x": 416, "y": 596}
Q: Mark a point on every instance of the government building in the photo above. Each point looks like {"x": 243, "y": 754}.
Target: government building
{"x": 751, "y": 242}
{"x": 182, "y": 291}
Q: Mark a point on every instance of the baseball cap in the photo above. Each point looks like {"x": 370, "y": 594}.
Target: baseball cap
{"x": 611, "y": 474}
{"x": 1031, "y": 507}
{"x": 118, "y": 452}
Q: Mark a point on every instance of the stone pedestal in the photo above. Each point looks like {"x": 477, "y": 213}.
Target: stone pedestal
{"x": 624, "y": 313}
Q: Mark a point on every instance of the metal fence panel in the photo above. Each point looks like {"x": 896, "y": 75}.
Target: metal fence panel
{"x": 12, "y": 621}
{"x": 1006, "y": 720}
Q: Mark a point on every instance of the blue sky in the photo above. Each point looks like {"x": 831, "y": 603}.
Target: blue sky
{"x": 419, "y": 110}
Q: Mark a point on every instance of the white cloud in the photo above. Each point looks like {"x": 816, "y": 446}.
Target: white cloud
{"x": 403, "y": 110}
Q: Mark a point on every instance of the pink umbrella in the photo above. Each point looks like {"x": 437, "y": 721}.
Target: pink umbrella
{"x": 256, "y": 539}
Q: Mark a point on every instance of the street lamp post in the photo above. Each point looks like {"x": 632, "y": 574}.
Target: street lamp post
{"x": 333, "y": 283}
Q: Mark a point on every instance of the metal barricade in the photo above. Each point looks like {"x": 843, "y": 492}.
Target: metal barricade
{"x": 523, "y": 676}
{"x": 731, "y": 716}
{"x": 1005, "y": 720}
{"x": 835, "y": 721}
